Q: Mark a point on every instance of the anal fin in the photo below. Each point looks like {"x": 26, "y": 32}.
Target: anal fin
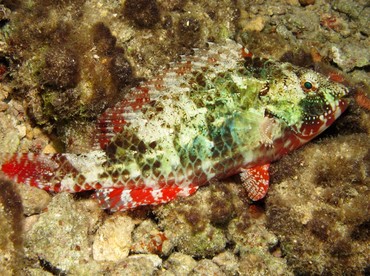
{"x": 121, "y": 199}
{"x": 256, "y": 181}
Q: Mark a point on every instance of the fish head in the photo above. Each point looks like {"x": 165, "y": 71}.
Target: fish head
{"x": 303, "y": 100}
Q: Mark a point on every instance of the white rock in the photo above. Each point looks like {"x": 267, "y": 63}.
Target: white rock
{"x": 113, "y": 239}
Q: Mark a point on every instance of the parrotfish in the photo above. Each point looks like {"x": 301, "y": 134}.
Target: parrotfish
{"x": 216, "y": 113}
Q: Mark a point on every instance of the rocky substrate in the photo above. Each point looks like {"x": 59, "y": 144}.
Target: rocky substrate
{"x": 63, "y": 62}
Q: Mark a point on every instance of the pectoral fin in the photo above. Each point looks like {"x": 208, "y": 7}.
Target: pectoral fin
{"x": 256, "y": 181}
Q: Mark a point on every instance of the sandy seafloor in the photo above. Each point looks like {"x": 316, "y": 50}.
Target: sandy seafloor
{"x": 63, "y": 62}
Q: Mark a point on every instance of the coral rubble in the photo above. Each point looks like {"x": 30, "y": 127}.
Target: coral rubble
{"x": 320, "y": 208}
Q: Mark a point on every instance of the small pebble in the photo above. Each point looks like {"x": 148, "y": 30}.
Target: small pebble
{"x": 113, "y": 239}
{"x": 3, "y": 106}
{"x": 257, "y": 24}
{"x": 34, "y": 200}
{"x": 180, "y": 263}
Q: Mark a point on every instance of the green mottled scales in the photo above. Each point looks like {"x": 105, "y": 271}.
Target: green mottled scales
{"x": 207, "y": 126}
{"x": 217, "y": 119}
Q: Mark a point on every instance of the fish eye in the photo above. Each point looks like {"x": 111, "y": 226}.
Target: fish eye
{"x": 308, "y": 86}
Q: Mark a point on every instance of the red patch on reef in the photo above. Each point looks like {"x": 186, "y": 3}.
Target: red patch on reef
{"x": 152, "y": 244}
{"x": 330, "y": 21}
{"x": 246, "y": 53}
{"x": 362, "y": 100}
{"x": 336, "y": 77}
{"x": 3, "y": 70}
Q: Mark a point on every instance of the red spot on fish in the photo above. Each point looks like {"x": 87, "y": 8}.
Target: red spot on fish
{"x": 76, "y": 188}
{"x": 142, "y": 195}
{"x": 56, "y": 188}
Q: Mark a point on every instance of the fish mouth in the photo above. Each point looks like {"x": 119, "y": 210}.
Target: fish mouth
{"x": 313, "y": 125}
{"x": 338, "y": 106}
{"x": 318, "y": 113}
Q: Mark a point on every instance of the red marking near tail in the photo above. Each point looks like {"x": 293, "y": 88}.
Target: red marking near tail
{"x": 142, "y": 195}
{"x": 115, "y": 196}
{"x": 170, "y": 193}
{"x": 33, "y": 172}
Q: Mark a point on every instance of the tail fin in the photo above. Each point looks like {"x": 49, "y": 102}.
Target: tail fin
{"x": 44, "y": 171}
{"x": 53, "y": 172}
